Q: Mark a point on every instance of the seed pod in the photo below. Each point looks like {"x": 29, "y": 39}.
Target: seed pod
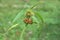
{"x": 28, "y": 14}
{"x": 28, "y": 21}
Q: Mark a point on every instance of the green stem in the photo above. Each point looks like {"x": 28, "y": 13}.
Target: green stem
{"x": 35, "y": 5}
{"x": 22, "y": 32}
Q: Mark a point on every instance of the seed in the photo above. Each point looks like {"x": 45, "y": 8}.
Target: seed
{"x": 28, "y": 14}
{"x": 28, "y": 21}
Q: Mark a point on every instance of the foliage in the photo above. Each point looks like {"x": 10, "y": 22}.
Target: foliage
{"x": 45, "y": 17}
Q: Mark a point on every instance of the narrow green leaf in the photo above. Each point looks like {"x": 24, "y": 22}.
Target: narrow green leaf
{"x": 35, "y": 19}
{"x": 40, "y": 2}
{"x": 40, "y": 17}
{"x": 20, "y": 14}
{"x": 13, "y": 26}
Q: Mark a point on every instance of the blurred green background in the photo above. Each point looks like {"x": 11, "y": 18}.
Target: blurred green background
{"x": 49, "y": 10}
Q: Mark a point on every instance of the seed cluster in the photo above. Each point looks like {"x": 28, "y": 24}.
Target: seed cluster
{"x": 28, "y": 19}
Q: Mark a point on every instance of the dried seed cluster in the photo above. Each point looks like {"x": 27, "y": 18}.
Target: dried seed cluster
{"x": 28, "y": 19}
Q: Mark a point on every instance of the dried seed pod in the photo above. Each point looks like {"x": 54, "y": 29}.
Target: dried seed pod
{"x": 28, "y": 21}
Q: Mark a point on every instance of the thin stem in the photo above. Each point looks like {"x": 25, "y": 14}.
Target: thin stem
{"x": 23, "y": 32}
{"x": 35, "y": 5}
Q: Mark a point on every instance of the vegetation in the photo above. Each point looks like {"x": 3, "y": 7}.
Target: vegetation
{"x": 29, "y": 20}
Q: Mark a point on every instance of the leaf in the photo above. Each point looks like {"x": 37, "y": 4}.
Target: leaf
{"x": 20, "y": 14}
{"x": 40, "y": 2}
{"x": 12, "y": 27}
{"x": 35, "y": 19}
{"x": 39, "y": 16}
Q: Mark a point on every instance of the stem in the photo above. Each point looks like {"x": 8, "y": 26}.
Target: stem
{"x": 13, "y": 26}
{"x": 22, "y": 32}
{"x": 35, "y": 5}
